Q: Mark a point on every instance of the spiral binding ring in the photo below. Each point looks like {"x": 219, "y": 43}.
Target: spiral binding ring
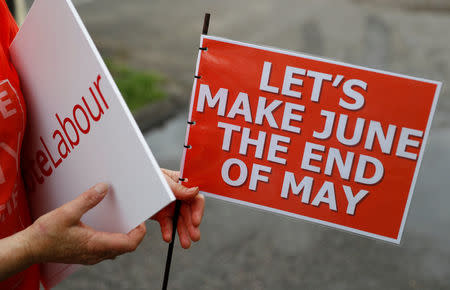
{"x": 192, "y": 122}
{"x": 187, "y": 147}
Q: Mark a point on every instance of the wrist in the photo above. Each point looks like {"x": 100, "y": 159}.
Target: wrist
{"x": 16, "y": 253}
{"x": 28, "y": 239}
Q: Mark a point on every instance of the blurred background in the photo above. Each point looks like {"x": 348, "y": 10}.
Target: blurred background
{"x": 151, "y": 48}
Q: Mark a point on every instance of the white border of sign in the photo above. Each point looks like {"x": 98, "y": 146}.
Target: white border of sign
{"x": 333, "y": 225}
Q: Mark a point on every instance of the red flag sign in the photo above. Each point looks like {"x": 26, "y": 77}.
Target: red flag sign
{"x": 315, "y": 139}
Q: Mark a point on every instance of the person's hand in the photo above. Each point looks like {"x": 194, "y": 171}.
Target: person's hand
{"x": 60, "y": 236}
{"x": 191, "y": 211}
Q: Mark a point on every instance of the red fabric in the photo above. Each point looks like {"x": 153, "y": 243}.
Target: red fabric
{"x": 14, "y": 212}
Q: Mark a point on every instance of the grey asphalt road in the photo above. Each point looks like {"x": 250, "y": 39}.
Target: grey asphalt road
{"x": 242, "y": 248}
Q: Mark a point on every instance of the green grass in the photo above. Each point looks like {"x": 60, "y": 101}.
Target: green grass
{"x": 137, "y": 87}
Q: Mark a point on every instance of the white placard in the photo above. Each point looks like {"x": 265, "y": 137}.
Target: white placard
{"x": 80, "y": 130}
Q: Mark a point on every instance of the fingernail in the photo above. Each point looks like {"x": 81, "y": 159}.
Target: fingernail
{"x": 101, "y": 188}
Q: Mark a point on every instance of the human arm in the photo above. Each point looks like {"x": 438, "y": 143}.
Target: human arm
{"x": 14, "y": 254}
{"x": 60, "y": 236}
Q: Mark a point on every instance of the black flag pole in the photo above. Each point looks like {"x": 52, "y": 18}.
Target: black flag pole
{"x": 178, "y": 202}
{"x": 206, "y": 23}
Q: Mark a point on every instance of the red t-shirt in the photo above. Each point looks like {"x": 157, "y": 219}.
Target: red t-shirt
{"x": 14, "y": 212}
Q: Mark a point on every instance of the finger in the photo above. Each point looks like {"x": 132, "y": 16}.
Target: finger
{"x": 86, "y": 201}
{"x": 183, "y": 233}
{"x": 197, "y": 209}
{"x": 137, "y": 235}
{"x": 194, "y": 232}
{"x": 165, "y": 223}
{"x": 182, "y": 192}
{"x": 116, "y": 243}
{"x": 113, "y": 244}
{"x": 174, "y": 175}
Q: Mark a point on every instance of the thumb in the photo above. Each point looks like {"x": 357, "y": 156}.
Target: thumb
{"x": 182, "y": 192}
{"x": 87, "y": 200}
